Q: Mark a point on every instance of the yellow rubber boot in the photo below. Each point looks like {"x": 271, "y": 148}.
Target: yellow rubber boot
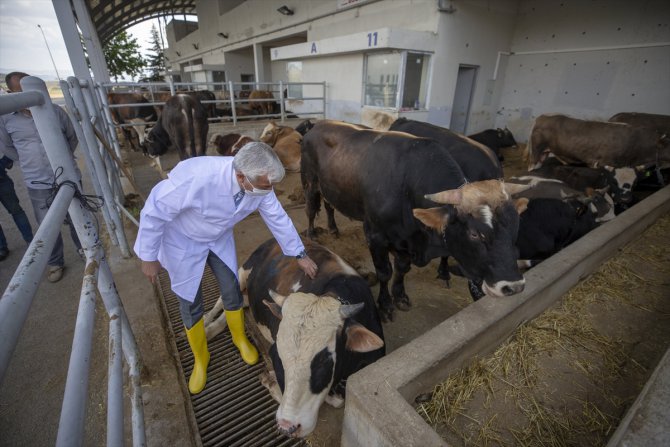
{"x": 198, "y": 342}
{"x": 235, "y": 321}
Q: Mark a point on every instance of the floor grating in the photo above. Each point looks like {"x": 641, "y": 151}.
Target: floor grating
{"x": 234, "y": 409}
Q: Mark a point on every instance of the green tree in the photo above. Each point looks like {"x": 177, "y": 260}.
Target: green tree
{"x": 156, "y": 57}
{"x": 122, "y": 56}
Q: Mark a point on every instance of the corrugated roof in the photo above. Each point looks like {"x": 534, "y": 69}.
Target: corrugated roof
{"x": 113, "y": 16}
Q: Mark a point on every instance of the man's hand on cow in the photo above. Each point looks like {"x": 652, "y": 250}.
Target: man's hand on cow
{"x": 151, "y": 270}
{"x": 308, "y": 266}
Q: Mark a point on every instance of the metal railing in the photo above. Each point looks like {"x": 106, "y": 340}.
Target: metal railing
{"x": 20, "y": 292}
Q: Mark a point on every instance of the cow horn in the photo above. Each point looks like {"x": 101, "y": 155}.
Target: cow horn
{"x": 515, "y": 188}
{"x": 349, "y": 310}
{"x": 277, "y": 298}
{"x": 450, "y": 197}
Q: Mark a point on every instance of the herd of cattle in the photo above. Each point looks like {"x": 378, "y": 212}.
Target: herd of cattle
{"x": 422, "y": 192}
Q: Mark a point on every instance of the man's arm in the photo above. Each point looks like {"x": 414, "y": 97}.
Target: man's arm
{"x": 6, "y": 144}
{"x": 284, "y": 231}
{"x": 67, "y": 127}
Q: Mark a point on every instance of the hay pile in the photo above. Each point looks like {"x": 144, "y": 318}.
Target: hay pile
{"x": 567, "y": 377}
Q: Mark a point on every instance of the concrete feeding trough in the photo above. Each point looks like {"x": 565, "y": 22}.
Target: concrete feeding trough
{"x": 379, "y": 410}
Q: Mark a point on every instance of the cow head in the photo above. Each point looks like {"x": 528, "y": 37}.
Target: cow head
{"x": 507, "y": 139}
{"x": 156, "y": 141}
{"x": 479, "y": 226}
{"x": 270, "y": 133}
{"x": 621, "y": 182}
{"x": 306, "y": 341}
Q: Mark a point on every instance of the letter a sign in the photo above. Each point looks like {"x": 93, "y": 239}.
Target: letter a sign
{"x": 313, "y": 49}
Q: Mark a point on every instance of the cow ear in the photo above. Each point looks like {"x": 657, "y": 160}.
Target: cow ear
{"x": 521, "y": 204}
{"x": 274, "y": 308}
{"x": 435, "y": 218}
{"x": 277, "y": 298}
{"x": 361, "y": 339}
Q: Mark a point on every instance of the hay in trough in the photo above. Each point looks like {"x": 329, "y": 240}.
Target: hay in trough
{"x": 567, "y": 377}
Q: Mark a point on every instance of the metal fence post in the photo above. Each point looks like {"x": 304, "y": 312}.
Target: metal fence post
{"x": 232, "y": 102}
{"x": 83, "y": 145}
{"x": 99, "y": 166}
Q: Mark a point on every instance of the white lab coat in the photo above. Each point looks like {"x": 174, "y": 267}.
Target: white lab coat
{"x": 193, "y": 211}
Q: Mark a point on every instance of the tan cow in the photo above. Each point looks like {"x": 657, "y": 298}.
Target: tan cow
{"x": 286, "y": 142}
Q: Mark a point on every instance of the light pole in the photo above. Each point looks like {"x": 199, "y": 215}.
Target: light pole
{"x": 49, "y": 50}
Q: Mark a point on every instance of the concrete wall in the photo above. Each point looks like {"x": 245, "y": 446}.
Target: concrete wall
{"x": 472, "y": 35}
{"x": 592, "y": 84}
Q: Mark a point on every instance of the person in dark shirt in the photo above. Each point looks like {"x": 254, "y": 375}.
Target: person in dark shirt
{"x": 10, "y": 201}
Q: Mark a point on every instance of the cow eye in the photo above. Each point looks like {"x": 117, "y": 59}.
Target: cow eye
{"x": 474, "y": 235}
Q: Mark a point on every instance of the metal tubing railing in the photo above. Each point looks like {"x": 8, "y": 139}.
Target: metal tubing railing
{"x": 90, "y": 137}
{"x": 83, "y": 145}
{"x": 73, "y": 410}
{"x": 18, "y": 296}
{"x": 115, "y": 382}
{"x": 18, "y": 101}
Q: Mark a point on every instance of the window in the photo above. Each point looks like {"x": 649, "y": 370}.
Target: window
{"x": 294, "y": 74}
{"x": 396, "y": 80}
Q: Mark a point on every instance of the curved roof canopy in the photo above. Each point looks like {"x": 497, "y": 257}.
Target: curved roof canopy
{"x": 113, "y": 16}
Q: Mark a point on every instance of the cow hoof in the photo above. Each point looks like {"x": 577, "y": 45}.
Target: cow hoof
{"x": 386, "y": 315}
{"x": 403, "y": 304}
{"x": 334, "y": 231}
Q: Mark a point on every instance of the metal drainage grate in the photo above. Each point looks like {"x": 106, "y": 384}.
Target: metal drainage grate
{"x": 234, "y": 409}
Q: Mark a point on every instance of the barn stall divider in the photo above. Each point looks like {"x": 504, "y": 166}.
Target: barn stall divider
{"x": 19, "y": 294}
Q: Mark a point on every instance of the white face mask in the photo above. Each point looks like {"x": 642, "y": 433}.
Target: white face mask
{"x": 256, "y": 191}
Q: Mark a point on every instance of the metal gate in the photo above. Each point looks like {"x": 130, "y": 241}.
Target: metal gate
{"x": 18, "y": 296}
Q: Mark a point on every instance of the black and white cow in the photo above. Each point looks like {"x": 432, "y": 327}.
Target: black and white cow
{"x": 548, "y": 225}
{"x": 321, "y": 330}
{"x": 183, "y": 123}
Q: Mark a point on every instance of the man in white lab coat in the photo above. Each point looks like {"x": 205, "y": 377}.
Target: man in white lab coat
{"x": 188, "y": 221}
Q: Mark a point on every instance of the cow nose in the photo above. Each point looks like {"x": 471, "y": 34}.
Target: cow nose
{"x": 513, "y": 288}
{"x": 288, "y": 428}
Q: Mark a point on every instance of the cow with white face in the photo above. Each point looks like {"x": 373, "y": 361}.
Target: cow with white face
{"x": 320, "y": 330}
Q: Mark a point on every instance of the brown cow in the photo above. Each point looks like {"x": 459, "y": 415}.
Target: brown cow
{"x": 263, "y": 107}
{"x": 286, "y": 142}
{"x": 659, "y": 122}
{"x": 595, "y": 143}
{"x": 140, "y": 116}
{"x": 229, "y": 144}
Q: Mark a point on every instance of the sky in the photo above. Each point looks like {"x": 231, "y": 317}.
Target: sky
{"x": 22, "y": 47}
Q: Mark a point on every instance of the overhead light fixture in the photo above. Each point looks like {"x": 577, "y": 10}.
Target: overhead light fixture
{"x": 195, "y": 45}
{"x": 224, "y": 35}
{"x": 285, "y": 10}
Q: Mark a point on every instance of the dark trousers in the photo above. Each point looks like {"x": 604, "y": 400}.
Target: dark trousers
{"x": 10, "y": 201}
{"x": 231, "y": 295}
{"x": 39, "y": 197}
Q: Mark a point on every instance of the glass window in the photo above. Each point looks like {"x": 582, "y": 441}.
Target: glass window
{"x": 382, "y": 76}
{"x": 294, "y": 74}
{"x": 381, "y": 79}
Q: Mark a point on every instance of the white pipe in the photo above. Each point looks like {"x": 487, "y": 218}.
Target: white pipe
{"x": 576, "y": 50}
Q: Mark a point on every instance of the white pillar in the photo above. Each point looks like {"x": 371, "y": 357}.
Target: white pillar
{"x": 68, "y": 29}
{"x": 259, "y": 66}
{"x": 92, "y": 42}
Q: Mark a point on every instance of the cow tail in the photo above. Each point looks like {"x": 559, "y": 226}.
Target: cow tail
{"x": 527, "y": 155}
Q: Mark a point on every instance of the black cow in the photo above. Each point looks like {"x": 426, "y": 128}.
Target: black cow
{"x": 304, "y": 127}
{"x": 495, "y": 139}
{"x": 321, "y": 330}
{"x": 383, "y": 179}
{"x": 548, "y": 225}
{"x": 619, "y": 182}
{"x": 183, "y": 123}
{"x": 477, "y": 161}
{"x": 139, "y": 116}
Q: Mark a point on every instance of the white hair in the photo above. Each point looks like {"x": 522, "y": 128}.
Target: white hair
{"x": 256, "y": 159}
